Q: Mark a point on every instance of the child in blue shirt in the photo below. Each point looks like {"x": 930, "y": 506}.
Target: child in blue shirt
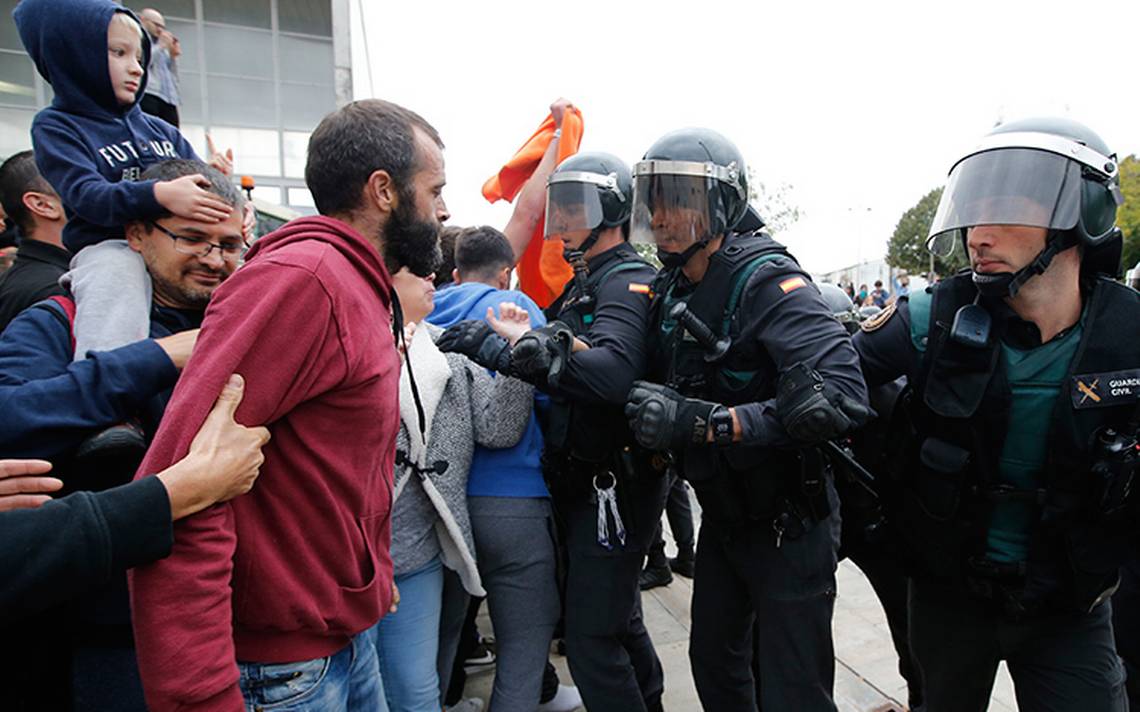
{"x": 92, "y": 144}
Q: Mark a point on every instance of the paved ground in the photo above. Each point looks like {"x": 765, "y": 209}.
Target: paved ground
{"x": 866, "y": 669}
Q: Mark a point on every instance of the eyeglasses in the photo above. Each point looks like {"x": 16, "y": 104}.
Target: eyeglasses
{"x": 231, "y": 251}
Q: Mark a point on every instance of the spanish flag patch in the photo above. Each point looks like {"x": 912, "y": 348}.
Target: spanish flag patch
{"x": 791, "y": 285}
{"x": 639, "y": 288}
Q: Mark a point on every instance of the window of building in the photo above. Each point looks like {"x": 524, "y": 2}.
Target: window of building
{"x": 255, "y": 150}
{"x": 301, "y": 197}
{"x": 15, "y": 130}
{"x": 311, "y": 17}
{"x": 17, "y": 79}
{"x": 249, "y": 13}
{"x": 296, "y": 146}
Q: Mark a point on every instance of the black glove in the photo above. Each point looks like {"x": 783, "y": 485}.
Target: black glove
{"x": 811, "y": 411}
{"x": 663, "y": 419}
{"x": 540, "y": 355}
{"x": 475, "y": 339}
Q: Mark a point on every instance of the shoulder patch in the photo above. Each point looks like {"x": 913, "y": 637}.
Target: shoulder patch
{"x": 640, "y": 288}
{"x": 790, "y": 285}
{"x": 876, "y": 322}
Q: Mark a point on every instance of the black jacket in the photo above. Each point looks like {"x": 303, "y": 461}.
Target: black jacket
{"x": 77, "y": 543}
{"x": 33, "y": 278}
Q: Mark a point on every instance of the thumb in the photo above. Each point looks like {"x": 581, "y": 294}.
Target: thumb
{"x": 229, "y": 154}
{"x": 231, "y": 396}
{"x": 210, "y": 144}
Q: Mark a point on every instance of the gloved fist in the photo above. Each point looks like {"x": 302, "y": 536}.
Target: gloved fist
{"x": 811, "y": 411}
{"x": 663, "y": 419}
{"x": 540, "y": 355}
{"x": 475, "y": 339}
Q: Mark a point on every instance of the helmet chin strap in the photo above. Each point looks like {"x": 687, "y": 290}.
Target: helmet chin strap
{"x": 676, "y": 260}
{"x": 1008, "y": 284}
{"x": 578, "y": 254}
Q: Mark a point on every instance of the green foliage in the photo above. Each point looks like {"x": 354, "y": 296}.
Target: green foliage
{"x": 907, "y": 247}
{"x": 772, "y": 203}
{"x": 1128, "y": 215}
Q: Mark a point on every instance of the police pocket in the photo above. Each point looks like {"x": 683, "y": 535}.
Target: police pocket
{"x": 735, "y": 381}
{"x": 942, "y": 469}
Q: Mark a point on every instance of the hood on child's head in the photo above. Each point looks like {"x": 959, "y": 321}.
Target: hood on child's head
{"x": 67, "y": 39}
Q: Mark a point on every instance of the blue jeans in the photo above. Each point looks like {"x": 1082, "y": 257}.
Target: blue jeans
{"x": 407, "y": 642}
{"x": 346, "y": 681}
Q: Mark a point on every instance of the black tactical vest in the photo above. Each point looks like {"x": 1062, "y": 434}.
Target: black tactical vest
{"x": 960, "y": 410}
{"x": 725, "y": 476}
{"x": 588, "y": 432}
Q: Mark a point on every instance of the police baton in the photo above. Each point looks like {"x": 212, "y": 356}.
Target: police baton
{"x": 859, "y": 473}
{"x": 715, "y": 348}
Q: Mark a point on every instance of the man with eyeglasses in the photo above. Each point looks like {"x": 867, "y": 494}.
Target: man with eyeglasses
{"x": 80, "y": 655}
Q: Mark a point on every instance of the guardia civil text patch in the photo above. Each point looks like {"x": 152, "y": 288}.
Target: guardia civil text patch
{"x": 1101, "y": 390}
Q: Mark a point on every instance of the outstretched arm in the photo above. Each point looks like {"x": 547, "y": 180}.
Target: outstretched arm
{"x": 531, "y": 203}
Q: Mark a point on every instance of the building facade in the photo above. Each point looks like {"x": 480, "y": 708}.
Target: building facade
{"x": 258, "y": 75}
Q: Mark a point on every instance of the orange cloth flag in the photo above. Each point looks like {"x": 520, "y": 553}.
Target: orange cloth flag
{"x": 542, "y": 270}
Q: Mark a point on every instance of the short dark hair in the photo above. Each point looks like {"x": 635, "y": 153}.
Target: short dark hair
{"x": 480, "y": 252}
{"x": 448, "y": 235}
{"x": 220, "y": 185}
{"x": 19, "y": 175}
{"x": 355, "y": 141}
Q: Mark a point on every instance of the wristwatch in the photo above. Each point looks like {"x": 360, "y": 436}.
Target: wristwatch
{"x": 720, "y": 420}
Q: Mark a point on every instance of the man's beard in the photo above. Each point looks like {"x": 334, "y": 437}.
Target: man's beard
{"x": 409, "y": 241}
{"x": 188, "y": 295}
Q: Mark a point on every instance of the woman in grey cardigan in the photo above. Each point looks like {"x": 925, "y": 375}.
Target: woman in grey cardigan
{"x": 462, "y": 405}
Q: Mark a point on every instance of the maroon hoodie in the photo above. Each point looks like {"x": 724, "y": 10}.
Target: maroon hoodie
{"x": 292, "y": 570}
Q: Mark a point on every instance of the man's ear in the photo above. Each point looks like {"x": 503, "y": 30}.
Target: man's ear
{"x": 455, "y": 276}
{"x": 43, "y": 205}
{"x": 381, "y": 191}
{"x": 136, "y": 232}
{"x": 505, "y": 278}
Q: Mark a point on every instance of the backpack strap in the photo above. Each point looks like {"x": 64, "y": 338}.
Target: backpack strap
{"x": 67, "y": 318}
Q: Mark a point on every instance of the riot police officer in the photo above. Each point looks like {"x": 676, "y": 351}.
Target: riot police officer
{"x": 1021, "y": 432}
{"x": 750, "y": 373}
{"x": 606, "y": 492}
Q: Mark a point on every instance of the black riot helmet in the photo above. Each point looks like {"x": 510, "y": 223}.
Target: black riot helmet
{"x": 1049, "y": 173}
{"x": 587, "y": 191}
{"x": 841, "y": 306}
{"x": 691, "y": 187}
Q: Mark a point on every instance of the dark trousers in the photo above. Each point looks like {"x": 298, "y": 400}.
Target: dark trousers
{"x": 891, "y": 585}
{"x": 746, "y": 586}
{"x": 679, "y": 509}
{"x": 1063, "y": 662}
{"x": 154, "y": 106}
{"x": 608, "y": 649}
{"x": 1126, "y": 626}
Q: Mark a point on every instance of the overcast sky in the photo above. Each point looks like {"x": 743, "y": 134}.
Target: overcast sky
{"x": 860, "y": 107}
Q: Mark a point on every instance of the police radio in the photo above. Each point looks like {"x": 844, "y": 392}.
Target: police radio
{"x": 1116, "y": 456}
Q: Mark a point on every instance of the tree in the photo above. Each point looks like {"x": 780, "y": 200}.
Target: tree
{"x": 907, "y": 247}
{"x": 772, "y": 203}
{"x": 1128, "y": 215}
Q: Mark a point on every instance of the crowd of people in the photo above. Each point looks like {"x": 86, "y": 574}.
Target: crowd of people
{"x": 284, "y": 471}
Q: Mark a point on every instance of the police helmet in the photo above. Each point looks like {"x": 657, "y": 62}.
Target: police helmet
{"x": 1051, "y": 173}
{"x": 588, "y": 191}
{"x": 691, "y": 186}
{"x": 840, "y": 305}
{"x": 868, "y": 311}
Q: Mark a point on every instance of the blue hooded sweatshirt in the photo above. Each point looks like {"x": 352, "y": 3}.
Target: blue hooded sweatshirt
{"x": 509, "y": 472}
{"x": 88, "y": 146}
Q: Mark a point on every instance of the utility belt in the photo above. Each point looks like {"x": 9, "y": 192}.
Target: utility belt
{"x": 788, "y": 494}
{"x": 612, "y": 487}
{"x": 571, "y": 474}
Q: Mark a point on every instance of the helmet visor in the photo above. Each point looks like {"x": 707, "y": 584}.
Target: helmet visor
{"x": 570, "y": 207}
{"x": 1011, "y": 186}
{"x": 672, "y": 211}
